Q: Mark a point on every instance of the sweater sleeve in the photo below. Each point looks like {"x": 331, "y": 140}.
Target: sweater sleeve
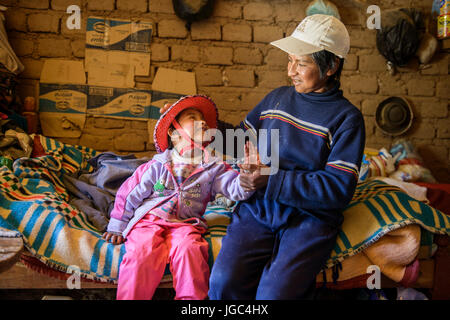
{"x": 227, "y": 182}
{"x": 130, "y": 196}
{"x": 329, "y": 188}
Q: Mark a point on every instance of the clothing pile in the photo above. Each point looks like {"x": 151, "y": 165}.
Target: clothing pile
{"x": 402, "y": 163}
{"x": 94, "y": 192}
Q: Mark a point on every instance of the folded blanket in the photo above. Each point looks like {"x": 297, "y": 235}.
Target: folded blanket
{"x": 392, "y": 253}
{"x": 35, "y": 202}
{"x": 377, "y": 209}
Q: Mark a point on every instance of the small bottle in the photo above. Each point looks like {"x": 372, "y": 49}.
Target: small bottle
{"x": 29, "y": 104}
{"x": 32, "y": 121}
{"x": 443, "y": 20}
{"x": 29, "y": 112}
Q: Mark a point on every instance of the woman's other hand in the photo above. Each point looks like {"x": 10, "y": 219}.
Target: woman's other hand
{"x": 164, "y": 109}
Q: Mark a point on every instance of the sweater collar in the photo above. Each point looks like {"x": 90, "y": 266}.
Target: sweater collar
{"x": 329, "y": 95}
{"x": 166, "y": 157}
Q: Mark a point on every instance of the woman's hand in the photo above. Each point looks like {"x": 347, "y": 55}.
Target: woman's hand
{"x": 164, "y": 109}
{"x": 115, "y": 238}
{"x": 251, "y": 177}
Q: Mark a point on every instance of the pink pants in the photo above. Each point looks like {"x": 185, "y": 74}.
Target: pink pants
{"x": 150, "y": 245}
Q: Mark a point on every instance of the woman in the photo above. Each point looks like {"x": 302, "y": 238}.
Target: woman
{"x": 279, "y": 239}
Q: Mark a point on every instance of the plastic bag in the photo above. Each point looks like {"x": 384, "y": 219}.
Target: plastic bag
{"x": 322, "y": 7}
{"x": 409, "y": 163}
{"x": 8, "y": 57}
{"x": 381, "y": 164}
{"x": 399, "y": 36}
{"x": 193, "y": 10}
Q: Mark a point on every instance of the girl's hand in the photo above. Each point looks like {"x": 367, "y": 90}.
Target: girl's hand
{"x": 115, "y": 239}
{"x": 251, "y": 158}
{"x": 251, "y": 177}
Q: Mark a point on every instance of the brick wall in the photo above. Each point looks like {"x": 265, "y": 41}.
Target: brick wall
{"x": 236, "y": 66}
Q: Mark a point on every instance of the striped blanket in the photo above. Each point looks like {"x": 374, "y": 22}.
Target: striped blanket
{"x": 35, "y": 202}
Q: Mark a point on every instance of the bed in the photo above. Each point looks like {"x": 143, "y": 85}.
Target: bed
{"x": 407, "y": 239}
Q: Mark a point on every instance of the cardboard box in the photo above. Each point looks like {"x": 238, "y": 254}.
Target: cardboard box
{"x": 111, "y": 75}
{"x": 62, "y": 98}
{"x": 119, "y": 41}
{"x": 122, "y": 103}
{"x": 168, "y": 86}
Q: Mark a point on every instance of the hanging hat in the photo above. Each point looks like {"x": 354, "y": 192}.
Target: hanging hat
{"x": 394, "y": 116}
{"x": 200, "y": 102}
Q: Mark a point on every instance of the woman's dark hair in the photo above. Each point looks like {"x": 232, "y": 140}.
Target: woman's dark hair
{"x": 326, "y": 60}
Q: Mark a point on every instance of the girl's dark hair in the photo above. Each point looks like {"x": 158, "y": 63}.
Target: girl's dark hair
{"x": 326, "y": 60}
{"x": 170, "y": 145}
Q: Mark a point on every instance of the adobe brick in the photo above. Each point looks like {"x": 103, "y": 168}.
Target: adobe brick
{"x": 161, "y": 6}
{"x": 443, "y": 89}
{"x": 102, "y": 5}
{"x": 257, "y": 11}
{"x": 443, "y": 128}
{"x": 159, "y": 52}
{"x": 391, "y": 85}
{"x": 185, "y": 53}
{"x": 22, "y": 47}
{"x": 227, "y": 9}
{"x": 135, "y": 5}
{"x": 267, "y": 34}
{"x": 218, "y": 55}
{"x": 172, "y": 29}
{"x": 276, "y": 58}
{"x": 351, "y": 62}
{"x": 294, "y": 11}
{"x": 62, "y": 5}
{"x": 33, "y": 68}
{"x": 206, "y": 31}
{"x": 247, "y": 56}
{"x": 43, "y": 22}
{"x": 54, "y": 48}
{"x": 237, "y": 32}
{"x": 78, "y": 48}
{"x": 34, "y": 4}
{"x": 208, "y": 76}
{"x": 272, "y": 79}
{"x": 420, "y": 87}
{"x": 372, "y": 63}
{"x": 16, "y": 20}
{"x": 240, "y": 78}
{"x": 363, "y": 84}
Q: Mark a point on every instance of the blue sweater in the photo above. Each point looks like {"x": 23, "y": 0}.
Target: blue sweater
{"x": 321, "y": 143}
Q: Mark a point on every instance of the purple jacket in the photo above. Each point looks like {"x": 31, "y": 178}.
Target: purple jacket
{"x": 152, "y": 187}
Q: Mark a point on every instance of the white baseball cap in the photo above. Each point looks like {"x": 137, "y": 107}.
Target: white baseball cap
{"x": 316, "y": 33}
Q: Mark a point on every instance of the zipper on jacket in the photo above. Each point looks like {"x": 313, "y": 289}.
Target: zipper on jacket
{"x": 169, "y": 168}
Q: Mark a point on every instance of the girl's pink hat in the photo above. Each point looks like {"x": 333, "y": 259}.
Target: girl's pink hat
{"x": 200, "y": 102}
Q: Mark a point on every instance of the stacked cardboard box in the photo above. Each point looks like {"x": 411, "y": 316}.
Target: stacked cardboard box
{"x": 117, "y": 50}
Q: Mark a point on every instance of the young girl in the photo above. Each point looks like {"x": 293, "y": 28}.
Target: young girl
{"x": 159, "y": 208}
